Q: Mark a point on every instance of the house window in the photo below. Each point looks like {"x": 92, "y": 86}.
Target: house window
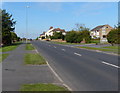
{"x": 104, "y": 36}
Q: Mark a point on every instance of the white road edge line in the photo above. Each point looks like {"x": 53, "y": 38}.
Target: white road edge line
{"x": 58, "y": 77}
{"x": 37, "y": 51}
{"x": 77, "y": 54}
{"x": 63, "y": 49}
{"x": 110, "y": 64}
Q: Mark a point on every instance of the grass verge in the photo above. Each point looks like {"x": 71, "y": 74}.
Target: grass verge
{"x": 65, "y": 43}
{"x": 42, "y": 87}
{"x": 9, "y": 47}
{"x": 3, "y": 56}
{"x": 29, "y": 47}
{"x": 112, "y": 47}
{"x": 34, "y": 59}
{"x": 101, "y": 49}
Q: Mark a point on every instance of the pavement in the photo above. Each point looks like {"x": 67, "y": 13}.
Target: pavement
{"x": 15, "y": 73}
{"x": 81, "y": 70}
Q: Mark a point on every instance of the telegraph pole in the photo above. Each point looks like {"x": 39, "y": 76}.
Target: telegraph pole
{"x": 27, "y": 23}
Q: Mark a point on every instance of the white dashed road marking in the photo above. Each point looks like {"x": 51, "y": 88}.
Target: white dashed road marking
{"x": 110, "y": 64}
{"x": 63, "y": 49}
{"x": 77, "y": 54}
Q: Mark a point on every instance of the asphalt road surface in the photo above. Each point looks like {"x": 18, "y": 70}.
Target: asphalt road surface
{"x": 81, "y": 70}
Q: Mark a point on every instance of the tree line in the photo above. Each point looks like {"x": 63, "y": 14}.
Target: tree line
{"x": 8, "y": 26}
{"x": 81, "y": 33}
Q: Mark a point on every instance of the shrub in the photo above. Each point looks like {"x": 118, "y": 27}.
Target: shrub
{"x": 114, "y": 36}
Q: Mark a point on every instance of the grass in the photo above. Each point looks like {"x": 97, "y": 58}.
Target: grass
{"x": 65, "y": 43}
{"x": 29, "y": 47}
{"x": 112, "y": 47}
{"x": 42, "y": 87}
{"x": 101, "y": 49}
{"x": 34, "y": 59}
{"x": 9, "y": 47}
{"x": 95, "y": 41}
{"x": 3, "y": 56}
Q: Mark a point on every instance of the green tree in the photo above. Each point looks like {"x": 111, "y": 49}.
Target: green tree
{"x": 114, "y": 36}
{"x": 13, "y": 36}
{"x": 86, "y": 36}
{"x": 74, "y": 37}
{"x": 57, "y": 35}
{"x": 8, "y": 25}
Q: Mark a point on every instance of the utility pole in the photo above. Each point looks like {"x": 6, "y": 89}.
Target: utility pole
{"x": 27, "y": 23}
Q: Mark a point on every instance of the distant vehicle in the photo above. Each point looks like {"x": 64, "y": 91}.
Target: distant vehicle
{"x": 30, "y": 39}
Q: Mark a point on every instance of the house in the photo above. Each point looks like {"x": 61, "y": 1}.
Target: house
{"x": 42, "y": 36}
{"x": 52, "y": 30}
{"x": 101, "y": 32}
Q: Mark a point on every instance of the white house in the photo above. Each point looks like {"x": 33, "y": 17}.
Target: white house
{"x": 51, "y": 31}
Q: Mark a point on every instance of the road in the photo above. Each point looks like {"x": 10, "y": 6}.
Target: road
{"x": 81, "y": 70}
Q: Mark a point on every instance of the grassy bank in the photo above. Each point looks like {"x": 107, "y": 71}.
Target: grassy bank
{"x": 34, "y": 59}
{"x": 42, "y": 87}
{"x": 3, "y": 56}
{"x": 29, "y": 47}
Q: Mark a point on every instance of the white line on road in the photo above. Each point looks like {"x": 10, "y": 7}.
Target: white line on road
{"x": 54, "y": 72}
{"x": 37, "y": 51}
{"x": 54, "y": 46}
{"x": 77, "y": 54}
{"x": 58, "y": 76}
{"x": 63, "y": 49}
{"x": 110, "y": 64}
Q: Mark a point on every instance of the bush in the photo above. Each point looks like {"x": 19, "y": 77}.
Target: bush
{"x": 57, "y": 35}
{"x": 74, "y": 37}
{"x": 86, "y": 36}
{"x": 114, "y": 36}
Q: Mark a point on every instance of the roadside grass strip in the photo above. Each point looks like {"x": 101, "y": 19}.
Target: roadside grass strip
{"x": 29, "y": 47}
{"x": 65, "y": 43}
{"x": 9, "y": 48}
{"x": 112, "y": 47}
{"x": 101, "y": 49}
{"x": 3, "y": 56}
{"x": 34, "y": 59}
{"x": 43, "y": 87}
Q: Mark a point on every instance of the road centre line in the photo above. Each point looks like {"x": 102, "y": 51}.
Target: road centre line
{"x": 110, "y": 64}
{"x": 77, "y": 54}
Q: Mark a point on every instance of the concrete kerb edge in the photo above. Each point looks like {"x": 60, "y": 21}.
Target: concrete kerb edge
{"x": 55, "y": 73}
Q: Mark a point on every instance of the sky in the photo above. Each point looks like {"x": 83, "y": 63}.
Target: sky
{"x": 41, "y": 15}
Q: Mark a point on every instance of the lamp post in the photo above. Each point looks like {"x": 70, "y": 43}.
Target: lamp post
{"x": 27, "y": 22}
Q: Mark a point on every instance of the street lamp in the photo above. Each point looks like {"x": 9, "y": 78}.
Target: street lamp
{"x": 27, "y": 22}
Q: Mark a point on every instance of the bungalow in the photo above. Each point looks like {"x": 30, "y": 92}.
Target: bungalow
{"x": 101, "y": 32}
{"x": 52, "y": 30}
